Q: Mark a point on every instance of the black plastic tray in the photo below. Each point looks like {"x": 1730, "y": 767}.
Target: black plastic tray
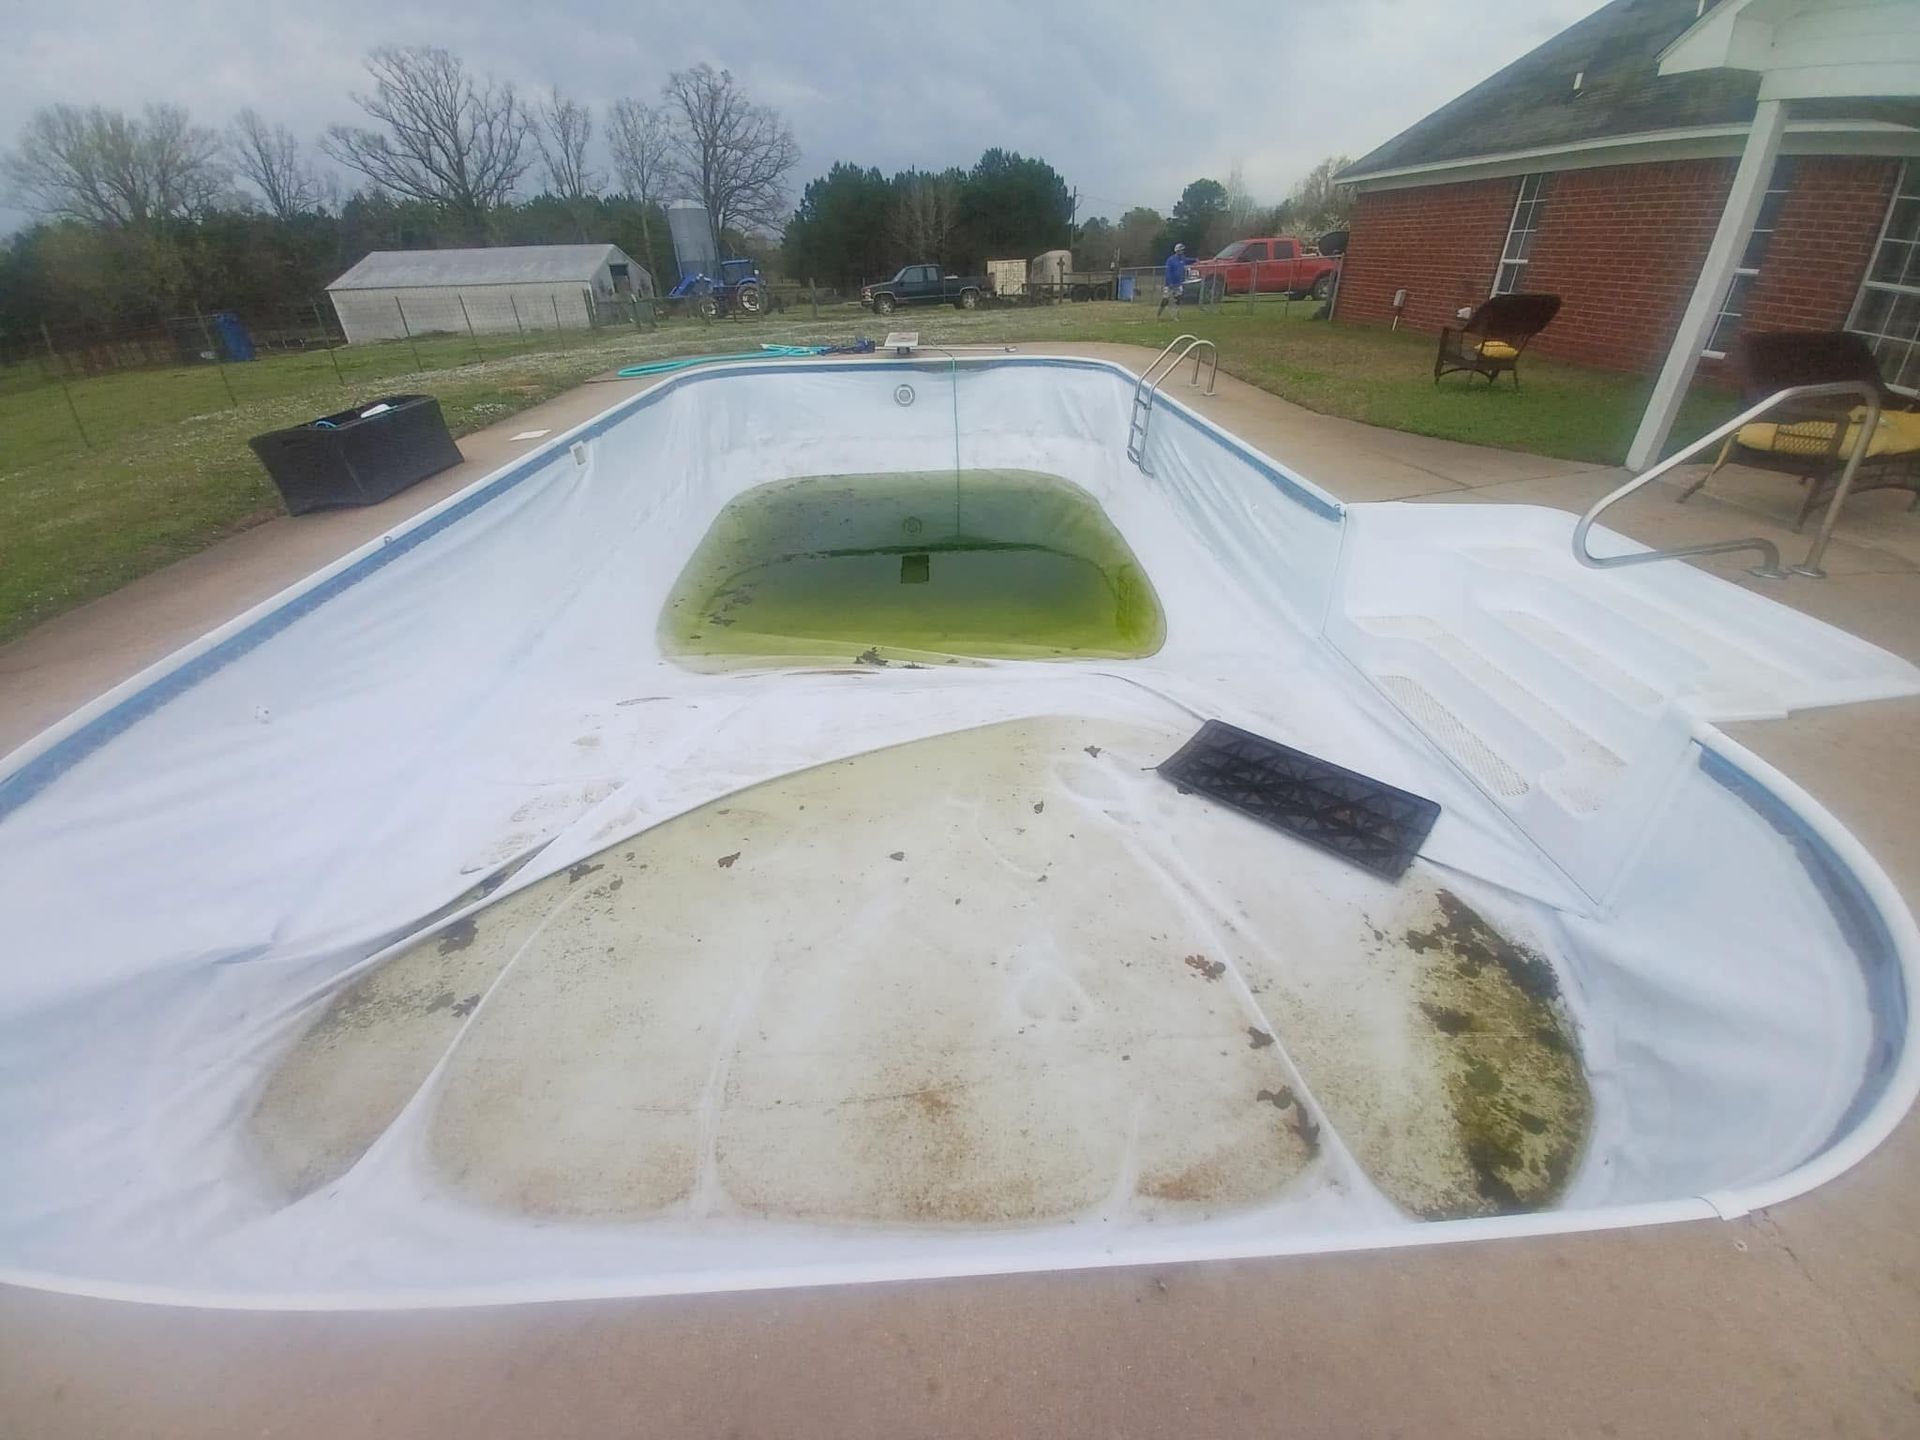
{"x": 1375, "y": 825}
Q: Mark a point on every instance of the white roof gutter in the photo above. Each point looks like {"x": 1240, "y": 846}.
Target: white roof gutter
{"x": 1804, "y": 137}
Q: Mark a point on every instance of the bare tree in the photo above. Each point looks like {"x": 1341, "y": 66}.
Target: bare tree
{"x": 641, "y": 149}
{"x": 563, "y": 132}
{"x": 108, "y": 168}
{"x": 926, "y": 209}
{"x": 1317, "y": 202}
{"x": 272, "y": 158}
{"x": 181, "y": 161}
{"x": 730, "y": 153}
{"x": 1240, "y": 207}
{"x": 451, "y": 139}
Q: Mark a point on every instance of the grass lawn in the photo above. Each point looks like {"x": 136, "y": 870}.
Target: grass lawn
{"x": 166, "y": 470}
{"x": 1385, "y": 377}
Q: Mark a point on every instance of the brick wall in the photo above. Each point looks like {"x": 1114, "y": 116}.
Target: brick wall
{"x": 1621, "y": 245}
{"x": 1822, "y": 242}
{"x": 1440, "y": 243}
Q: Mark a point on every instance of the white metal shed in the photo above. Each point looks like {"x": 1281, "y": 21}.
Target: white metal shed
{"x": 501, "y": 290}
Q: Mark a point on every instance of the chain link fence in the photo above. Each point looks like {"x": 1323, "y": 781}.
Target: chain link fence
{"x": 1263, "y": 282}
{"x": 71, "y": 387}
{"x": 78, "y": 386}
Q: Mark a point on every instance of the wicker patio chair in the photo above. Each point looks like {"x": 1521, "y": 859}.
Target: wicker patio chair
{"x": 1490, "y": 342}
{"x": 1812, "y": 440}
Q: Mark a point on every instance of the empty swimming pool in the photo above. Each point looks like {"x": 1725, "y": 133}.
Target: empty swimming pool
{"x": 724, "y": 849}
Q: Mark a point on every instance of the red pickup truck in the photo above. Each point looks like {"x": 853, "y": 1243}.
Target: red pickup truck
{"x": 1278, "y": 262}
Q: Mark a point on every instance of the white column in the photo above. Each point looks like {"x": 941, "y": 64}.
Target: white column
{"x": 1710, "y": 291}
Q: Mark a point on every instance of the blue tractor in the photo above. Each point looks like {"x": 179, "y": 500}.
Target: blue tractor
{"x": 738, "y": 290}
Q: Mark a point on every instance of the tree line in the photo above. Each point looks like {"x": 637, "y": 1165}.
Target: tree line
{"x": 142, "y": 217}
{"x": 855, "y": 223}
{"x": 1209, "y": 214}
{"x": 146, "y": 216}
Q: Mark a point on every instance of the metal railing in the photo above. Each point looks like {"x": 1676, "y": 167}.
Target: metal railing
{"x": 1148, "y": 385}
{"x": 1769, "y": 567}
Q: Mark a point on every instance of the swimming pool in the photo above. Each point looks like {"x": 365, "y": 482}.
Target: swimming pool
{"x": 722, "y": 850}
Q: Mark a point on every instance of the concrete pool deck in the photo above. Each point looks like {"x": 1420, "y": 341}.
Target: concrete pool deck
{"x": 1800, "y": 1319}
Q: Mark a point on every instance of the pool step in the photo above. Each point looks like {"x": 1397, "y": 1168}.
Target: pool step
{"x": 1600, "y": 669}
{"x": 1587, "y": 766}
{"x": 1463, "y": 744}
{"x": 1719, "y": 654}
{"x": 1577, "y": 761}
{"x": 1570, "y": 696}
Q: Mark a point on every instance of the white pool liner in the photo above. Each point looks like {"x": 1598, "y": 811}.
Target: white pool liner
{"x": 192, "y": 866}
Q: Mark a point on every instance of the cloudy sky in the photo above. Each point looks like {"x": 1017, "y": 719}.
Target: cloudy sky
{"x": 1129, "y": 102}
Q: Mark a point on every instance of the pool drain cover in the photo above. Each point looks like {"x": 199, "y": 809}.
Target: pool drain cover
{"x": 1373, "y": 824}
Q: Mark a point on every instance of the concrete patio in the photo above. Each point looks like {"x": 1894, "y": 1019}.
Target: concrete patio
{"x": 1800, "y": 1320}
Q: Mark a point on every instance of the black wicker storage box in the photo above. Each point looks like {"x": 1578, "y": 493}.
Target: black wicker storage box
{"x": 354, "y": 458}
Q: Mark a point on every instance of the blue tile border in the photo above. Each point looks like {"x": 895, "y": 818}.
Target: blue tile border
{"x": 1861, "y": 923}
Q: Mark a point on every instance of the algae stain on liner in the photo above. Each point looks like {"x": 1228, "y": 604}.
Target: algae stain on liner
{"x": 991, "y": 564}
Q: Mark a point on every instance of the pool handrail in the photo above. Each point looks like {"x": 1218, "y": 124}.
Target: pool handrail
{"x": 1769, "y": 567}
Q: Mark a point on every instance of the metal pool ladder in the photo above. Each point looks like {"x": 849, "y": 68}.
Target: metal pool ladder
{"x": 1769, "y": 566}
{"x": 1148, "y": 385}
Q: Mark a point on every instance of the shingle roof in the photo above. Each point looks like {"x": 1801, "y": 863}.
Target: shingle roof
{"x": 1531, "y": 104}
{"x": 501, "y": 265}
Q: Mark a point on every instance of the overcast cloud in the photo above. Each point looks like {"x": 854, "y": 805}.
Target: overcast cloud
{"x": 1127, "y": 102}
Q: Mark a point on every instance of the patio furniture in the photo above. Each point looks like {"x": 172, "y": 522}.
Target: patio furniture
{"x": 1813, "y": 440}
{"x": 1490, "y": 342}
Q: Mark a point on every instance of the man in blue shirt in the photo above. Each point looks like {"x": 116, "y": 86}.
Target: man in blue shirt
{"x": 1176, "y": 276}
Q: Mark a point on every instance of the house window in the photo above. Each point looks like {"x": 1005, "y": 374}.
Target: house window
{"x": 1733, "y": 309}
{"x": 1887, "y": 314}
{"x": 1520, "y": 232}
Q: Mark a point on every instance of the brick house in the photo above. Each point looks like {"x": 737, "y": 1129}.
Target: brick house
{"x": 1597, "y": 168}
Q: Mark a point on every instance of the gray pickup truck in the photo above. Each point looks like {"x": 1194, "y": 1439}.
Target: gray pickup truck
{"x": 924, "y": 285}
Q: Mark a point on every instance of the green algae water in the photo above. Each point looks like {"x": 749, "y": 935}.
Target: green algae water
{"x": 987, "y": 564}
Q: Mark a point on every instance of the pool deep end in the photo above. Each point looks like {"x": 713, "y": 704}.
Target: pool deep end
{"x": 437, "y": 933}
{"x": 980, "y": 563}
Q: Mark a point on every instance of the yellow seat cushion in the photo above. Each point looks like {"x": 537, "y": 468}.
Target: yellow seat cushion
{"x": 1496, "y": 350}
{"x": 1898, "y": 434}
